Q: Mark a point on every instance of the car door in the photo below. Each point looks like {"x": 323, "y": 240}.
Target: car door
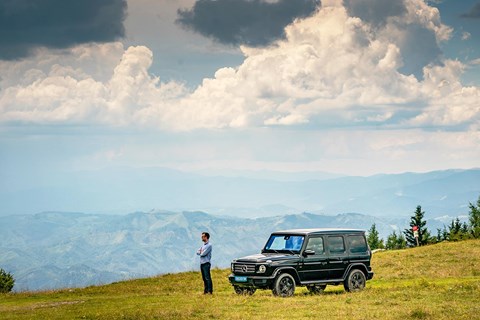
{"x": 314, "y": 266}
{"x": 337, "y": 256}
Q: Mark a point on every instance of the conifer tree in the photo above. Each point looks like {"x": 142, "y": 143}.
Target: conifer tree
{"x": 474, "y": 218}
{"x": 373, "y": 238}
{"x": 464, "y": 231}
{"x": 454, "y": 230}
{"x": 6, "y": 281}
{"x": 444, "y": 233}
{"x": 423, "y": 233}
{"x": 395, "y": 241}
{"x": 440, "y": 235}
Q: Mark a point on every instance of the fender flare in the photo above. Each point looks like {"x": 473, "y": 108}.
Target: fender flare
{"x": 359, "y": 266}
{"x": 290, "y": 270}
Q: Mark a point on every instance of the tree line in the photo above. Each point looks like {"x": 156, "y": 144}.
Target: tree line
{"x": 455, "y": 231}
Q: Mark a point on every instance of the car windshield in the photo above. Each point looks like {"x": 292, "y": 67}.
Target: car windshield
{"x": 284, "y": 243}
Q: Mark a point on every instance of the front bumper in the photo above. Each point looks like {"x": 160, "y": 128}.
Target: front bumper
{"x": 251, "y": 281}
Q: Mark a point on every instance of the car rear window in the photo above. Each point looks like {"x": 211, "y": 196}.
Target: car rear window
{"x": 357, "y": 244}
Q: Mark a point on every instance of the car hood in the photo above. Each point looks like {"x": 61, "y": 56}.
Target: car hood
{"x": 261, "y": 257}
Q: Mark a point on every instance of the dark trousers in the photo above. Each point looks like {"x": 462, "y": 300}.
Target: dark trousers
{"x": 207, "y": 278}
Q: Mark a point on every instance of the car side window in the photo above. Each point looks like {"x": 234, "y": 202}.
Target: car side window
{"x": 316, "y": 244}
{"x": 336, "y": 244}
{"x": 357, "y": 244}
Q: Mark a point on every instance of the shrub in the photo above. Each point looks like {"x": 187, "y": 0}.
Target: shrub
{"x": 6, "y": 281}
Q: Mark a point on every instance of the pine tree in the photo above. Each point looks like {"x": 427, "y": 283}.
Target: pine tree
{"x": 444, "y": 233}
{"x": 395, "y": 241}
{"x": 401, "y": 242}
{"x": 423, "y": 233}
{"x": 454, "y": 230}
{"x": 373, "y": 239}
{"x": 464, "y": 231}
{"x": 6, "y": 281}
{"x": 474, "y": 218}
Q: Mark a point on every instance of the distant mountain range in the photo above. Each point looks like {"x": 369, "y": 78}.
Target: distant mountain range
{"x": 249, "y": 194}
{"x": 54, "y": 249}
{"x": 61, "y": 249}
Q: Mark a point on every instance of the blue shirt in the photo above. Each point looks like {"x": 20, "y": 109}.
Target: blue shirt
{"x": 205, "y": 253}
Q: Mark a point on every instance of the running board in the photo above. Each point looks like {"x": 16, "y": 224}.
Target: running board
{"x": 304, "y": 283}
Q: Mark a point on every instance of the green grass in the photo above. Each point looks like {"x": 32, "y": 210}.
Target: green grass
{"x": 433, "y": 282}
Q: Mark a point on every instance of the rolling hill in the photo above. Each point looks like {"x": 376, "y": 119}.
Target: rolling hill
{"x": 434, "y": 282}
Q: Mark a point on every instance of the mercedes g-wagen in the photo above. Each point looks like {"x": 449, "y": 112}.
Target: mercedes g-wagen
{"x": 313, "y": 258}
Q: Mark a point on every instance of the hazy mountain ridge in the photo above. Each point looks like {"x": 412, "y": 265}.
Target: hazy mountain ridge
{"x": 123, "y": 190}
{"x": 53, "y": 249}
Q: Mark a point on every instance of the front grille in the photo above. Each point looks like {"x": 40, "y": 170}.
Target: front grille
{"x": 243, "y": 268}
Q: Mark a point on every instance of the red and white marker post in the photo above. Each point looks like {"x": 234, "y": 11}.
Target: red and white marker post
{"x": 415, "y": 233}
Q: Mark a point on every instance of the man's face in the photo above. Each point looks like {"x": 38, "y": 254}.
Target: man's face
{"x": 204, "y": 238}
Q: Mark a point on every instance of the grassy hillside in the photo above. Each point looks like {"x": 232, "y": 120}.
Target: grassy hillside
{"x": 434, "y": 282}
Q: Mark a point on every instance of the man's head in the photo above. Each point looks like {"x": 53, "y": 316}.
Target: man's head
{"x": 205, "y": 236}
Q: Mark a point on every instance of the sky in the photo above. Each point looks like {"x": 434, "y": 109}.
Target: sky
{"x": 356, "y": 87}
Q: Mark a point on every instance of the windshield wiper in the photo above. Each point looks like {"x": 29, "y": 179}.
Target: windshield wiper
{"x": 273, "y": 250}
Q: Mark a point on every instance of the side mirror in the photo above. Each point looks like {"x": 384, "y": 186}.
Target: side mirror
{"x": 308, "y": 253}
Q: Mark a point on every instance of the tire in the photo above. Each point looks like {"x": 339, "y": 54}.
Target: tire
{"x": 284, "y": 285}
{"x": 355, "y": 281}
{"x": 244, "y": 291}
{"x": 316, "y": 289}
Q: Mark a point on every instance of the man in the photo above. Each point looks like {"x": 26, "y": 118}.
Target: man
{"x": 205, "y": 253}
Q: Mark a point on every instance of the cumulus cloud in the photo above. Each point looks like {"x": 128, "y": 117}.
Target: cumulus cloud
{"x": 451, "y": 103}
{"x": 331, "y": 70}
{"x": 413, "y": 26}
{"x": 62, "y": 94}
{"x": 247, "y": 22}
{"x": 26, "y": 25}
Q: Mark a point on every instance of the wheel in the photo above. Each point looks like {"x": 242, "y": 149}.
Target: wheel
{"x": 284, "y": 285}
{"x": 355, "y": 281}
{"x": 244, "y": 291}
{"x": 250, "y": 291}
{"x": 316, "y": 289}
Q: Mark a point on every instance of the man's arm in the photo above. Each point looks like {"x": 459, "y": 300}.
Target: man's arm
{"x": 208, "y": 249}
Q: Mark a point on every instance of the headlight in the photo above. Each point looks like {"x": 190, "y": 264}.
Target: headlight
{"x": 262, "y": 269}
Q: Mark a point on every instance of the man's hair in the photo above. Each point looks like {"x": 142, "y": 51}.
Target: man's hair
{"x": 206, "y": 234}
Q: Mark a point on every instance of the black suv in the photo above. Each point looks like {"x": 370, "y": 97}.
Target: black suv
{"x": 313, "y": 258}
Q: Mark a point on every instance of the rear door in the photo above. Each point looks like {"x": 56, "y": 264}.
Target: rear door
{"x": 314, "y": 267}
{"x": 337, "y": 256}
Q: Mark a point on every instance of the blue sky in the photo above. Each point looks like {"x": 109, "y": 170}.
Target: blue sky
{"x": 354, "y": 87}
